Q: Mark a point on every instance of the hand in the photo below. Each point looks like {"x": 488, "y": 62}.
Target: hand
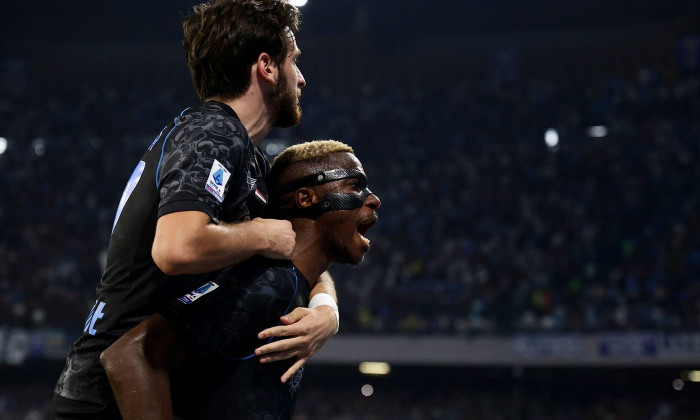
{"x": 279, "y": 235}
{"x": 308, "y": 328}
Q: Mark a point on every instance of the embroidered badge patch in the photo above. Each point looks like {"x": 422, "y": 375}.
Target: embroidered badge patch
{"x": 218, "y": 178}
{"x": 198, "y": 293}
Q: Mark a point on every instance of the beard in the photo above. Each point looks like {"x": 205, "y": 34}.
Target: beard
{"x": 287, "y": 100}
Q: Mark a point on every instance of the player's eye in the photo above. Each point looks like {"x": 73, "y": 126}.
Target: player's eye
{"x": 357, "y": 184}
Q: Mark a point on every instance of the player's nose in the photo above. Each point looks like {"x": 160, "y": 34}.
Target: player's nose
{"x": 372, "y": 201}
{"x": 301, "y": 82}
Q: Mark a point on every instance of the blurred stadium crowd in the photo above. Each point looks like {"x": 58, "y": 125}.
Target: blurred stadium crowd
{"x": 484, "y": 227}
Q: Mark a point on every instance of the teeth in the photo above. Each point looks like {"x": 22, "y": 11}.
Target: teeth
{"x": 364, "y": 238}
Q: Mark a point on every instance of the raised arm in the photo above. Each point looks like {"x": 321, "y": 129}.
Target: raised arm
{"x": 187, "y": 242}
{"x": 137, "y": 368}
{"x": 308, "y": 328}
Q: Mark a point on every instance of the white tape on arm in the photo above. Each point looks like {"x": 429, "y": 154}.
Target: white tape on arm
{"x": 324, "y": 299}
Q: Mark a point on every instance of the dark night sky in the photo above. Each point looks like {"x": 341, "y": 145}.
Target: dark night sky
{"x": 158, "y": 21}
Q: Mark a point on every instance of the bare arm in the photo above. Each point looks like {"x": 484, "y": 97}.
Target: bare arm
{"x": 188, "y": 242}
{"x": 137, "y": 368}
{"x": 309, "y": 330}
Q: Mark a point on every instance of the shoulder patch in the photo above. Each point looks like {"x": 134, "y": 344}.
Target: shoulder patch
{"x": 218, "y": 178}
{"x": 198, "y": 293}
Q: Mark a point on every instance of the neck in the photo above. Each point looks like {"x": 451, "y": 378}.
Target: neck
{"x": 254, "y": 113}
{"x": 309, "y": 256}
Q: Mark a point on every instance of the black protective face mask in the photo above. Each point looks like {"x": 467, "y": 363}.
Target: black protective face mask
{"x": 331, "y": 201}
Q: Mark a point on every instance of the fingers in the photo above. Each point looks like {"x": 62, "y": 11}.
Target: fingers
{"x": 275, "y": 354}
{"x": 289, "y": 329}
{"x": 294, "y": 316}
{"x": 281, "y": 347}
{"x": 280, "y": 237}
{"x": 292, "y": 370}
{"x": 282, "y": 355}
{"x": 278, "y": 331}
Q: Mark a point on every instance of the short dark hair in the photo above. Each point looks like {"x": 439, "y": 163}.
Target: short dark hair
{"x": 223, "y": 38}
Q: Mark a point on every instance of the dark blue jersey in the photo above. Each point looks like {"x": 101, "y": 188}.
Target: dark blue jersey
{"x": 218, "y": 324}
{"x": 202, "y": 161}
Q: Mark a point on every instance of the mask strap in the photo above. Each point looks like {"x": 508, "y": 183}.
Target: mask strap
{"x": 320, "y": 178}
{"x": 330, "y": 202}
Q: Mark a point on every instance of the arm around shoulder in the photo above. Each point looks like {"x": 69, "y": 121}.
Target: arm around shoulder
{"x": 189, "y": 243}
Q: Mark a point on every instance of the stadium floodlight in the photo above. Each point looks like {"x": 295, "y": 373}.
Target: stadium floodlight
{"x": 297, "y": 3}
{"x": 3, "y": 145}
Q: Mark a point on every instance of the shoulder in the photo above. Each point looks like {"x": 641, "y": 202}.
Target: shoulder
{"x": 211, "y": 125}
{"x": 207, "y": 133}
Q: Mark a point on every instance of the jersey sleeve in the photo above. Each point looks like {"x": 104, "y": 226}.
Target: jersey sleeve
{"x": 199, "y": 163}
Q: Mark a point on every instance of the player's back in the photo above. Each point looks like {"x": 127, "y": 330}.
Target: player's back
{"x": 171, "y": 176}
{"x": 218, "y": 326}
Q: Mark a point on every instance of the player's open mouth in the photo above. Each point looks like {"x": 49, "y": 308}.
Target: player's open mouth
{"x": 364, "y": 225}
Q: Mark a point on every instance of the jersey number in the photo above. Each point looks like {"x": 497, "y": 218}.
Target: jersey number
{"x": 133, "y": 180}
{"x": 95, "y": 314}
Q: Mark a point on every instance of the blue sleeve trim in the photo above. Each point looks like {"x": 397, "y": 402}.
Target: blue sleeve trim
{"x": 162, "y": 151}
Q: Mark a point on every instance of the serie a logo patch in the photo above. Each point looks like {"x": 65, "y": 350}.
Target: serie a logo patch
{"x": 218, "y": 178}
{"x": 198, "y": 293}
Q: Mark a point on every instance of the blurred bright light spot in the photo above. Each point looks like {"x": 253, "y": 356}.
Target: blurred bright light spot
{"x": 678, "y": 384}
{"x": 694, "y": 376}
{"x": 375, "y": 368}
{"x": 367, "y": 390}
{"x": 3, "y": 145}
{"x": 597, "y": 131}
{"x": 297, "y": 3}
{"x": 551, "y": 137}
{"x": 39, "y": 146}
{"x": 274, "y": 148}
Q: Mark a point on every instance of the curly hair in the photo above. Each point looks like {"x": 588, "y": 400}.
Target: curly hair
{"x": 223, "y": 38}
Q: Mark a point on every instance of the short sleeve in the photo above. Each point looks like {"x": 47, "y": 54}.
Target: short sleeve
{"x": 200, "y": 160}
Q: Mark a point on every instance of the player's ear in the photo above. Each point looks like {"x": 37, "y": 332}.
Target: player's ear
{"x": 305, "y": 197}
{"x": 266, "y": 68}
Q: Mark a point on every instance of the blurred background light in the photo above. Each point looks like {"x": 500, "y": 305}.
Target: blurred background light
{"x": 39, "y": 146}
{"x": 3, "y": 145}
{"x": 298, "y": 3}
{"x": 275, "y": 147}
{"x": 367, "y": 390}
{"x": 678, "y": 384}
{"x": 374, "y": 368}
{"x": 597, "y": 131}
{"x": 551, "y": 138}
